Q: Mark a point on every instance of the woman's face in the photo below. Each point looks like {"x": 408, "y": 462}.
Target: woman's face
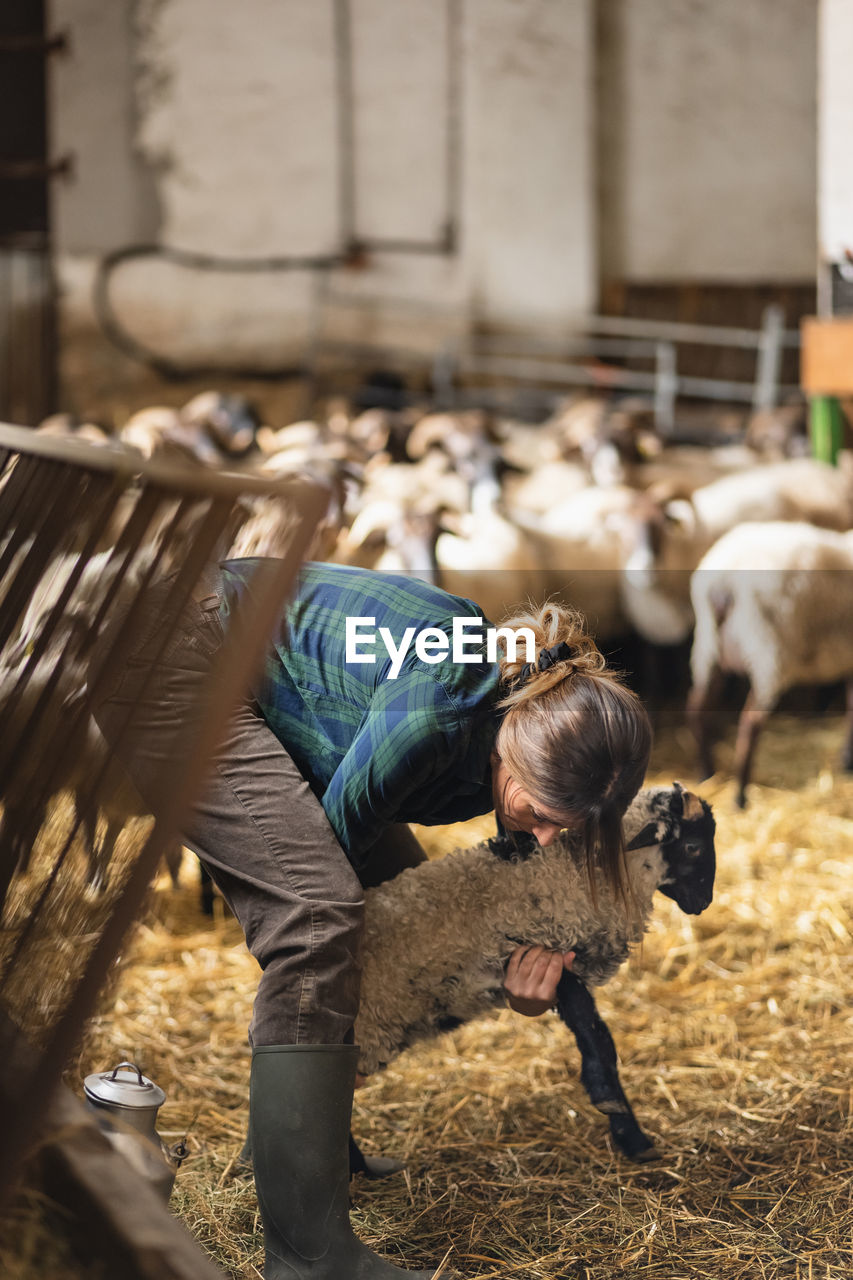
{"x": 518, "y": 810}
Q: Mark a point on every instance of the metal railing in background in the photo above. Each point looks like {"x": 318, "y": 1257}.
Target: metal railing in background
{"x": 84, "y": 533}
{"x": 501, "y": 369}
{"x": 575, "y": 361}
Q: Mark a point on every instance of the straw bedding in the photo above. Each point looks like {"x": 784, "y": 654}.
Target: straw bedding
{"x": 735, "y": 1036}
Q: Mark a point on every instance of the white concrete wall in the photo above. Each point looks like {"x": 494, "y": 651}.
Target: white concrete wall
{"x": 112, "y": 198}
{"x": 835, "y": 181}
{"x": 212, "y": 126}
{"x": 708, "y": 139}
{"x": 235, "y": 116}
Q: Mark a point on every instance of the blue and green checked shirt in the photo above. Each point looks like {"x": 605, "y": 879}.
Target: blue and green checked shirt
{"x": 376, "y": 750}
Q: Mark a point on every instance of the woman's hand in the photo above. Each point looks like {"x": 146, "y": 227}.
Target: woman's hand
{"x": 532, "y": 977}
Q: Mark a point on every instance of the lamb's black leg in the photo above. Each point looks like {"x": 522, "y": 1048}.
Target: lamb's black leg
{"x": 371, "y": 1166}
{"x": 206, "y": 890}
{"x": 599, "y": 1071}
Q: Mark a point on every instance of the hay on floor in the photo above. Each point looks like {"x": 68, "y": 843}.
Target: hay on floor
{"x": 735, "y": 1037}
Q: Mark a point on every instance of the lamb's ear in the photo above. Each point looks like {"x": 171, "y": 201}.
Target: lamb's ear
{"x": 678, "y": 795}
{"x": 648, "y": 836}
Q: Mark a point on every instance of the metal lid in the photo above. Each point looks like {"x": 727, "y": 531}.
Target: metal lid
{"x": 124, "y": 1086}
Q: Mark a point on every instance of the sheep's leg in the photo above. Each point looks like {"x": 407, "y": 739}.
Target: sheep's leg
{"x": 372, "y": 1167}
{"x": 599, "y": 1069}
{"x": 847, "y": 752}
{"x": 699, "y": 715}
{"x": 206, "y": 890}
{"x": 172, "y": 858}
{"x": 750, "y": 724}
{"x": 663, "y": 673}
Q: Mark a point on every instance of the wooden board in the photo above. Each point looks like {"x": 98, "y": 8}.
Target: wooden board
{"x": 827, "y": 356}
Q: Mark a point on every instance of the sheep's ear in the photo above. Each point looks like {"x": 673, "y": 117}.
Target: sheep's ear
{"x": 678, "y": 794}
{"x": 681, "y": 513}
{"x": 648, "y": 836}
{"x": 692, "y": 806}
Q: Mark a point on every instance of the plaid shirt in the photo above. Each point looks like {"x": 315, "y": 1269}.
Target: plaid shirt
{"x": 376, "y": 750}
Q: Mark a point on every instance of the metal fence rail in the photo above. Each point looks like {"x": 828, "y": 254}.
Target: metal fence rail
{"x": 84, "y": 532}
{"x": 548, "y": 365}
{"x": 542, "y": 369}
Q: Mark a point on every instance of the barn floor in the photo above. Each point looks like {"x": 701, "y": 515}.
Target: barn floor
{"x": 735, "y": 1036}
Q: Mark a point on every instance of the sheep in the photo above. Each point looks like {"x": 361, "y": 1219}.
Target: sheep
{"x": 578, "y": 548}
{"x": 159, "y": 431}
{"x": 230, "y": 422}
{"x": 780, "y": 432}
{"x": 545, "y": 487}
{"x": 458, "y": 434}
{"x": 438, "y": 936}
{"x": 773, "y": 602}
{"x": 665, "y": 540}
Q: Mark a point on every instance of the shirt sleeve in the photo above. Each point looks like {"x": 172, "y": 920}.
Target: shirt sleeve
{"x": 410, "y": 734}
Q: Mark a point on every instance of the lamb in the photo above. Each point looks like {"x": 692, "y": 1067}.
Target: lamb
{"x": 773, "y": 602}
{"x": 438, "y": 936}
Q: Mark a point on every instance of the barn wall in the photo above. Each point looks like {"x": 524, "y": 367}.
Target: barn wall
{"x": 230, "y": 136}
{"x": 708, "y": 139}
{"x": 835, "y": 184}
{"x": 656, "y": 141}
{"x": 113, "y": 196}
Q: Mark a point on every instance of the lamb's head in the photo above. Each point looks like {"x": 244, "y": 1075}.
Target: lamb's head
{"x": 683, "y": 825}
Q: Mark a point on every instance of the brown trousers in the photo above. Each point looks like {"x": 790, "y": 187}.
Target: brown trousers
{"x": 262, "y": 834}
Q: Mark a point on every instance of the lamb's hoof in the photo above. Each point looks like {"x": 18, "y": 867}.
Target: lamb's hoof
{"x": 372, "y": 1167}
{"x": 610, "y": 1106}
{"x": 381, "y": 1166}
{"x": 631, "y": 1140}
{"x": 647, "y": 1156}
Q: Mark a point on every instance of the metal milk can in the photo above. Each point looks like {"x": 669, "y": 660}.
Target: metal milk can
{"x": 126, "y": 1103}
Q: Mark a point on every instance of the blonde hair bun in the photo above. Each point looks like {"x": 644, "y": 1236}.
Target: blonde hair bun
{"x": 552, "y": 625}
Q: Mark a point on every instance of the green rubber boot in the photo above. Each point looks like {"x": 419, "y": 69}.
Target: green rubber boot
{"x": 300, "y": 1107}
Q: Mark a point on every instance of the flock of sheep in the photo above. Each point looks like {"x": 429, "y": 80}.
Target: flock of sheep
{"x": 592, "y": 506}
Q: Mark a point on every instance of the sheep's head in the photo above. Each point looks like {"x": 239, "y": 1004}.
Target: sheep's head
{"x": 683, "y": 825}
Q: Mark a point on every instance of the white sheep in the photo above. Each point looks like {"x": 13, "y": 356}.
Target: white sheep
{"x": 774, "y": 603}
{"x": 438, "y": 936}
{"x": 577, "y": 547}
{"x": 664, "y": 541}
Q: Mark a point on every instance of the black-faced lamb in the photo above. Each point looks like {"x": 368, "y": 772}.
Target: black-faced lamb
{"x": 438, "y": 937}
{"x": 774, "y": 603}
